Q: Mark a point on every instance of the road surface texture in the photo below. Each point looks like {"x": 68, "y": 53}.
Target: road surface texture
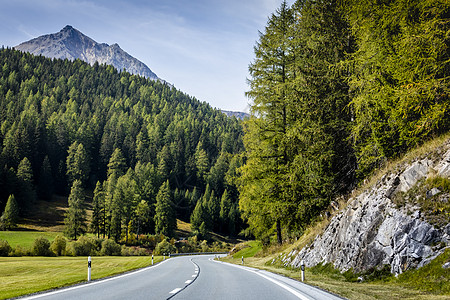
{"x": 190, "y": 277}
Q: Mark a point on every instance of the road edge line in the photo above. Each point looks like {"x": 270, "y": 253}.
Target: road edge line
{"x": 86, "y": 283}
{"x": 280, "y": 284}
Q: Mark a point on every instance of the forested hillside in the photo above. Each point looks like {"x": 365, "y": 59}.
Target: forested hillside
{"x": 337, "y": 89}
{"x": 148, "y": 152}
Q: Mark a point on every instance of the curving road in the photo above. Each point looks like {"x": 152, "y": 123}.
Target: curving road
{"x": 195, "y": 277}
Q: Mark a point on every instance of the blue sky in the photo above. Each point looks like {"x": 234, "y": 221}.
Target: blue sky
{"x": 202, "y": 47}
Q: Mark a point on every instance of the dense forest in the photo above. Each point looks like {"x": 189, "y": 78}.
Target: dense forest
{"x": 144, "y": 152}
{"x": 338, "y": 87}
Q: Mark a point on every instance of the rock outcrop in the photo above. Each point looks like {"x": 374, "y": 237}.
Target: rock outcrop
{"x": 72, "y": 44}
{"x": 373, "y": 231}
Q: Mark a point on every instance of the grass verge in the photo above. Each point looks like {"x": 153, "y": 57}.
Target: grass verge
{"x": 424, "y": 283}
{"x": 25, "y": 275}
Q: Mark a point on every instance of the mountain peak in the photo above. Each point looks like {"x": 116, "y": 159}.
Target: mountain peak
{"x": 70, "y": 43}
{"x": 67, "y": 28}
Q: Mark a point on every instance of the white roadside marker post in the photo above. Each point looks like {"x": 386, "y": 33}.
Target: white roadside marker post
{"x": 89, "y": 268}
{"x": 152, "y": 259}
{"x": 242, "y": 259}
{"x": 302, "y": 263}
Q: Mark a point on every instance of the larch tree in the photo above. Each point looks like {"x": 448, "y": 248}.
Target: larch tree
{"x": 45, "y": 185}
{"x": 165, "y": 221}
{"x": 26, "y": 194}
{"x": 262, "y": 195}
{"x": 75, "y": 221}
{"x": 77, "y": 163}
{"x": 98, "y": 210}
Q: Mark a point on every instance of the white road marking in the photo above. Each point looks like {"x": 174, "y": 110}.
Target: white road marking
{"x": 282, "y": 285}
{"x": 188, "y": 281}
{"x": 194, "y": 275}
{"x": 175, "y": 291}
{"x": 100, "y": 281}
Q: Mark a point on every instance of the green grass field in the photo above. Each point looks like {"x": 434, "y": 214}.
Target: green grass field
{"x": 250, "y": 251}
{"x": 25, "y": 238}
{"x": 25, "y": 275}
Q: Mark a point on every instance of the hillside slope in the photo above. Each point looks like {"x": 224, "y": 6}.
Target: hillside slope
{"x": 63, "y": 121}
{"x": 402, "y": 220}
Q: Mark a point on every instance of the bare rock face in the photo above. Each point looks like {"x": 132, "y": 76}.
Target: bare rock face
{"x": 372, "y": 231}
{"x": 72, "y": 44}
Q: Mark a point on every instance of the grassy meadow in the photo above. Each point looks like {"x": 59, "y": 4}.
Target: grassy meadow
{"x": 25, "y": 239}
{"x": 26, "y": 275}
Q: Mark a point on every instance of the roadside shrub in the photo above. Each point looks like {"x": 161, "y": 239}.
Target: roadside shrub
{"x": 85, "y": 246}
{"x": 41, "y": 247}
{"x": 21, "y": 251}
{"x": 5, "y": 248}
{"x": 204, "y": 246}
{"x": 58, "y": 245}
{"x": 133, "y": 251}
{"x": 110, "y": 247}
{"x": 164, "y": 247}
{"x": 97, "y": 242}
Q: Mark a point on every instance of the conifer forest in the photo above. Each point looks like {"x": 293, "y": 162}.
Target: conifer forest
{"x": 336, "y": 88}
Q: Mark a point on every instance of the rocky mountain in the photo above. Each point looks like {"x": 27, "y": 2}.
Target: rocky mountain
{"x": 72, "y": 44}
{"x": 401, "y": 221}
{"x": 239, "y": 115}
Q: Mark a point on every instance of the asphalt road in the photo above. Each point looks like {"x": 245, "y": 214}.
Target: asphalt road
{"x": 191, "y": 277}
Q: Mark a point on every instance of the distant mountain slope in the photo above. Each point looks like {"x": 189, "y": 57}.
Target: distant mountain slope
{"x": 237, "y": 114}
{"x": 72, "y": 44}
{"x": 160, "y": 138}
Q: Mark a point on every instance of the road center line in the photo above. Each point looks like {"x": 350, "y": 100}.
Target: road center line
{"x": 175, "y": 291}
{"x": 188, "y": 282}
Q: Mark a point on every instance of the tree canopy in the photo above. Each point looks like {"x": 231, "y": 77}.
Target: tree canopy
{"x": 63, "y": 121}
{"x": 337, "y": 88}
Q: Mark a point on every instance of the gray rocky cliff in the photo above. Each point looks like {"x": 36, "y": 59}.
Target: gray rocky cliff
{"x": 373, "y": 230}
{"x": 72, "y": 44}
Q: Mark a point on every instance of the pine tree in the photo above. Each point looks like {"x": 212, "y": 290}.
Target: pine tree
{"x": 297, "y": 142}
{"x": 142, "y": 216}
{"x": 165, "y": 221}
{"x": 202, "y": 162}
{"x": 98, "y": 207}
{"x": 77, "y": 162}
{"x": 10, "y": 216}
{"x": 225, "y": 206}
{"x": 213, "y": 212}
{"x": 26, "y": 195}
{"x": 197, "y": 215}
{"x": 263, "y": 194}
{"x": 75, "y": 221}
{"x": 116, "y": 165}
{"x": 45, "y": 187}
